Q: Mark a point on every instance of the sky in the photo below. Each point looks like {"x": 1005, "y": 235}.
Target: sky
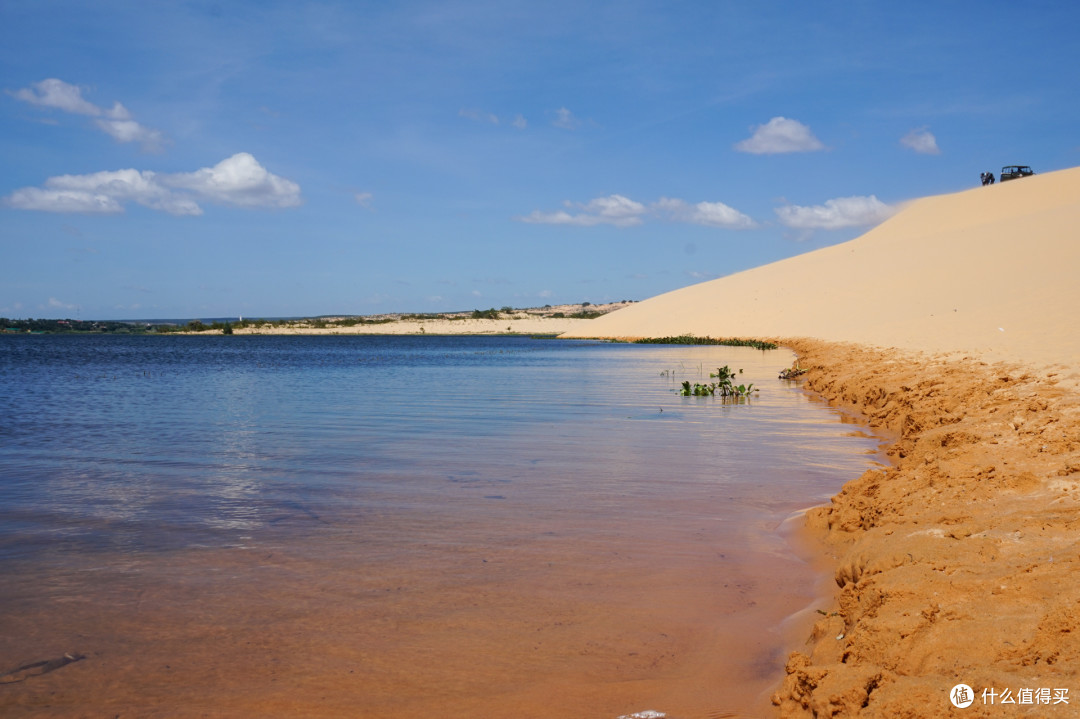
{"x": 280, "y": 159}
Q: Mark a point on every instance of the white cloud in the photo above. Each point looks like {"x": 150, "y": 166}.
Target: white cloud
{"x": 116, "y": 122}
{"x": 239, "y": 181}
{"x": 520, "y": 122}
{"x": 780, "y": 135}
{"x": 57, "y": 94}
{"x": 364, "y": 199}
{"x": 921, "y": 141}
{"x": 712, "y": 214}
{"x": 120, "y": 186}
{"x": 836, "y": 213}
{"x": 621, "y": 211}
{"x": 46, "y": 200}
{"x": 612, "y": 210}
{"x": 565, "y": 119}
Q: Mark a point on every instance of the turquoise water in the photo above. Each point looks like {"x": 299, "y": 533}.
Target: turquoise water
{"x": 400, "y": 453}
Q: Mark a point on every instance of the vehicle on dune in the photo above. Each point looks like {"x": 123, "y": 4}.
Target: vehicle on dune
{"x": 1012, "y": 172}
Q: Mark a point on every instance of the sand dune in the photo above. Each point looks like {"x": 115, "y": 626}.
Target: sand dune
{"x": 952, "y": 329}
{"x": 991, "y": 271}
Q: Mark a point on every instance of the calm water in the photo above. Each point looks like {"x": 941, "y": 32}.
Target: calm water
{"x": 447, "y": 491}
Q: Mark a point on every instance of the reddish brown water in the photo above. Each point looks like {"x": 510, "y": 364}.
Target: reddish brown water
{"x": 589, "y": 569}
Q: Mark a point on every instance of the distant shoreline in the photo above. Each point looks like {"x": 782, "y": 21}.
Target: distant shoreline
{"x": 549, "y": 319}
{"x": 509, "y": 326}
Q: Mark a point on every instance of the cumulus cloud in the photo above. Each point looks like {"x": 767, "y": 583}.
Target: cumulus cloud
{"x": 780, "y": 135}
{"x": 621, "y": 211}
{"x": 921, "y": 141}
{"x": 836, "y": 213}
{"x": 238, "y": 181}
{"x": 711, "y": 214}
{"x": 116, "y": 121}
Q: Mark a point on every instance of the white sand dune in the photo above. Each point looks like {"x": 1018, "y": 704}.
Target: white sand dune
{"x": 990, "y": 272}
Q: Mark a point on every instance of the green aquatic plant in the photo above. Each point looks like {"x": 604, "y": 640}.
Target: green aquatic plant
{"x": 723, "y": 387}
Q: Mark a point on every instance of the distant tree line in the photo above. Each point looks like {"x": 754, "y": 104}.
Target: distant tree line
{"x": 73, "y": 326}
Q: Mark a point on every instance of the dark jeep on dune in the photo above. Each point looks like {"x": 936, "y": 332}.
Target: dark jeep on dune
{"x": 1012, "y": 172}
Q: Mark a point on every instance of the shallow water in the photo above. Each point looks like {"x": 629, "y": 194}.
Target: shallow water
{"x": 399, "y": 526}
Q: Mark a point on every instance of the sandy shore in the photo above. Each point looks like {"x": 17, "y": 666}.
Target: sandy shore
{"x": 961, "y": 562}
{"x": 952, "y": 329}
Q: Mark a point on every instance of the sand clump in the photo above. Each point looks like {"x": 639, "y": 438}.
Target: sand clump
{"x": 960, "y": 563}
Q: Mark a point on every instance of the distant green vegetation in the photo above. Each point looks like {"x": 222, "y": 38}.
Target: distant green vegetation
{"x": 692, "y": 340}
{"x": 225, "y": 328}
{"x": 71, "y": 327}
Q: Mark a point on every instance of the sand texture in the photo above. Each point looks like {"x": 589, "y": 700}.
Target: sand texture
{"x": 960, "y": 563}
{"x": 952, "y": 329}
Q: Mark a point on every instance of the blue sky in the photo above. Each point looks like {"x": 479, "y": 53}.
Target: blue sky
{"x": 207, "y": 159}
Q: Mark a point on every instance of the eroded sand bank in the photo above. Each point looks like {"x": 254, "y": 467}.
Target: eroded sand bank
{"x": 951, "y": 327}
{"x": 961, "y": 562}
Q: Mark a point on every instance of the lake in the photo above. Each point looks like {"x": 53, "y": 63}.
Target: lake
{"x": 401, "y": 526}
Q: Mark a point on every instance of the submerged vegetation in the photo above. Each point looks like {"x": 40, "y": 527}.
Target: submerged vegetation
{"x": 693, "y": 340}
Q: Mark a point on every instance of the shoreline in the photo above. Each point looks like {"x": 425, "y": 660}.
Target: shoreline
{"x": 954, "y": 564}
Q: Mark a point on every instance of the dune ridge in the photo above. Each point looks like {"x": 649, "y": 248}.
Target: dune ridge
{"x": 952, "y": 329}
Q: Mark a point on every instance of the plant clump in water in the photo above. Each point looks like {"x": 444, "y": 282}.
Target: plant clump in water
{"x": 792, "y": 372}
{"x": 723, "y": 387}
